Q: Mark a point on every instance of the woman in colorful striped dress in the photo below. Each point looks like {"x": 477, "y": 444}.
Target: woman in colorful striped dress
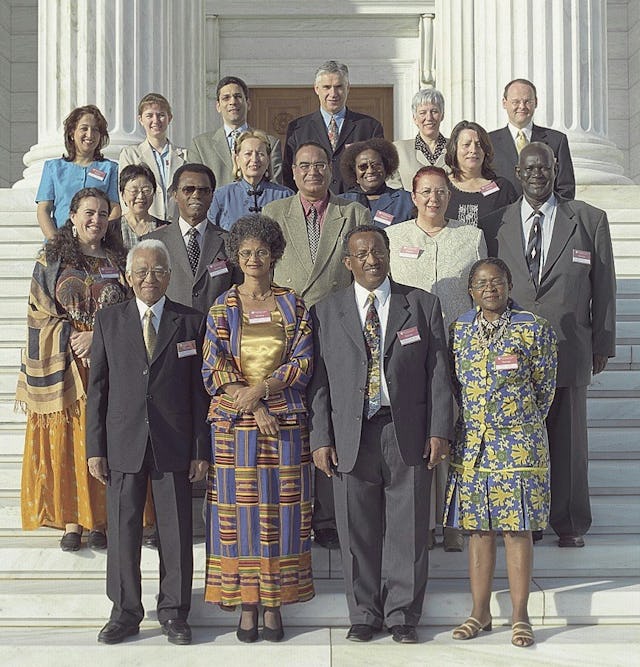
{"x": 256, "y": 365}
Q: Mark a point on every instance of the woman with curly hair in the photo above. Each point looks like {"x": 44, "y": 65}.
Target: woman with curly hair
{"x": 83, "y": 166}
{"x": 80, "y": 270}
{"x": 365, "y": 166}
{"x": 257, "y": 361}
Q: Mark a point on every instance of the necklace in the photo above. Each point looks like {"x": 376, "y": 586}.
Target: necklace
{"x": 257, "y": 297}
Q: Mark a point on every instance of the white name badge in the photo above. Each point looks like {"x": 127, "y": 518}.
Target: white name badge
{"x": 98, "y": 174}
{"x": 409, "y": 252}
{"x": 383, "y": 218}
{"x": 259, "y": 316}
{"x": 489, "y": 188}
{"x": 507, "y": 362}
{"x": 582, "y": 257}
{"x": 408, "y": 336}
{"x": 187, "y": 349}
{"x": 217, "y": 268}
{"x": 109, "y": 272}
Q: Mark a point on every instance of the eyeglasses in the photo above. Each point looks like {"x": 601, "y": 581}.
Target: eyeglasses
{"x": 516, "y": 103}
{"x": 188, "y": 190}
{"x": 306, "y": 167}
{"x": 158, "y": 274}
{"x": 374, "y": 166}
{"x": 260, "y": 253}
{"x": 134, "y": 192}
{"x": 362, "y": 256}
{"x": 440, "y": 193}
{"x": 483, "y": 284}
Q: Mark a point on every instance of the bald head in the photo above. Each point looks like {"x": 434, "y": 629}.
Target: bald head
{"x": 536, "y": 171}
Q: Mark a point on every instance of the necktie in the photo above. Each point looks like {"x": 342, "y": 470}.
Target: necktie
{"x": 234, "y": 134}
{"x": 333, "y": 133}
{"x": 521, "y": 141}
{"x": 534, "y": 248}
{"x": 149, "y": 333}
{"x": 313, "y": 232}
{"x": 372, "y": 339}
{"x": 193, "y": 249}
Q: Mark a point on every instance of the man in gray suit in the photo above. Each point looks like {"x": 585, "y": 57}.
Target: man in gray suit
{"x": 201, "y": 271}
{"x": 561, "y": 258}
{"x": 313, "y": 222}
{"x": 380, "y": 421}
{"x": 215, "y": 148}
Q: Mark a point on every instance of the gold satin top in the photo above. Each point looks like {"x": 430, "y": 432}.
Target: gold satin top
{"x": 262, "y": 347}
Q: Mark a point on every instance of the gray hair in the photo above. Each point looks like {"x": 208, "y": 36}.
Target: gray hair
{"x": 427, "y": 96}
{"x": 148, "y": 244}
{"x": 332, "y": 67}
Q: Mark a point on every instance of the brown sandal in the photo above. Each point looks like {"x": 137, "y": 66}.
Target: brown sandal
{"x": 522, "y": 634}
{"x": 470, "y": 629}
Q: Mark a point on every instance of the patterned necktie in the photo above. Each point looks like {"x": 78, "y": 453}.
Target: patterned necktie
{"x": 193, "y": 249}
{"x": 333, "y": 133}
{"x": 534, "y": 248}
{"x": 313, "y": 232}
{"x": 149, "y": 333}
{"x": 234, "y": 134}
{"x": 372, "y": 339}
{"x": 521, "y": 141}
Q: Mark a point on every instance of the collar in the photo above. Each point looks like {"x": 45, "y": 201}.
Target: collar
{"x": 340, "y": 116}
{"x": 321, "y": 206}
{"x": 157, "y": 308}
{"x": 164, "y": 152}
{"x": 527, "y": 129}
{"x": 248, "y": 187}
{"x": 228, "y": 130}
{"x": 546, "y": 209}
{"x": 185, "y": 227}
{"x": 382, "y": 292}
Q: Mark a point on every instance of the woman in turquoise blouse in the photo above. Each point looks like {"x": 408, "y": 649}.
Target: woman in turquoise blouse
{"x": 83, "y": 166}
{"x": 503, "y": 362}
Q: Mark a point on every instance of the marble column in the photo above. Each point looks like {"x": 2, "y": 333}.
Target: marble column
{"x": 560, "y": 45}
{"x": 111, "y": 53}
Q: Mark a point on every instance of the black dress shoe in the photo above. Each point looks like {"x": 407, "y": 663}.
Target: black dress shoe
{"x": 272, "y": 634}
{"x": 177, "y": 631}
{"x": 70, "y": 542}
{"x": 570, "y": 541}
{"x": 97, "y": 540}
{"x": 114, "y": 632}
{"x": 151, "y": 540}
{"x": 404, "y": 634}
{"x": 248, "y": 635}
{"x": 360, "y": 632}
{"x": 327, "y": 538}
{"x": 536, "y": 536}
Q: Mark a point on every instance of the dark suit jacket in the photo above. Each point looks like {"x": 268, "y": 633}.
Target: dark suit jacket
{"x": 417, "y": 374}
{"x": 579, "y": 300}
{"x": 506, "y": 157}
{"x": 201, "y": 290}
{"x": 130, "y": 400}
{"x": 356, "y": 127}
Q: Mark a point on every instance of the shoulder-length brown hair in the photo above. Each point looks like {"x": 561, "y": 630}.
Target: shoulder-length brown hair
{"x": 451, "y": 156}
{"x": 70, "y": 125}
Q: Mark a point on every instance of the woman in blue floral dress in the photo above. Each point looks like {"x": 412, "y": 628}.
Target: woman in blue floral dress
{"x": 503, "y": 362}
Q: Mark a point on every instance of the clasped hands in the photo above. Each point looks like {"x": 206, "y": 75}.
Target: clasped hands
{"x": 249, "y": 399}
{"x": 80, "y": 342}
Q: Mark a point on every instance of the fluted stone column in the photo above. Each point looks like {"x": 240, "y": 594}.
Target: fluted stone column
{"x": 111, "y": 53}
{"x": 559, "y": 45}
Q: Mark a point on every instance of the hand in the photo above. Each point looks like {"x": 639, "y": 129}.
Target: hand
{"x": 98, "y": 468}
{"x": 436, "y": 450}
{"x": 198, "y": 470}
{"x": 324, "y": 458}
{"x": 599, "y": 363}
{"x": 80, "y": 342}
{"x": 246, "y": 399}
{"x": 266, "y": 422}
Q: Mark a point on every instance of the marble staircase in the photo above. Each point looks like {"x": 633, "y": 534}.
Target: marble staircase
{"x": 42, "y": 587}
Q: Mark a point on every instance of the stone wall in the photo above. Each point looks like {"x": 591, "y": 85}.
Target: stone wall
{"x": 5, "y": 94}
{"x": 634, "y": 89}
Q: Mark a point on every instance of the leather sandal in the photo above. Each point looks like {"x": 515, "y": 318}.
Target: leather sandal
{"x": 522, "y": 634}
{"x": 470, "y": 629}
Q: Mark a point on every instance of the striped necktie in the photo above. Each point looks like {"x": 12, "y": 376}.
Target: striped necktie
{"x": 534, "y": 248}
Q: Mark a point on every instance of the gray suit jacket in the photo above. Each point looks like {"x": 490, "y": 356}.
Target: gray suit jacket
{"x": 212, "y": 149}
{"x": 313, "y": 281}
{"x": 143, "y": 153}
{"x": 578, "y": 299}
{"x": 417, "y": 374}
{"x": 410, "y": 161}
{"x": 201, "y": 290}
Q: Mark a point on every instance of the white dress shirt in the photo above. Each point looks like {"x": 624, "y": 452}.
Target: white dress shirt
{"x": 185, "y": 228}
{"x": 157, "y": 310}
{"x": 526, "y": 130}
{"x": 548, "y": 210}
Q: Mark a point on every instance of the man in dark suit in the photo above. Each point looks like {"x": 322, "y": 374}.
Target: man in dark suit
{"x": 333, "y": 126}
{"x": 200, "y": 271}
{"x": 561, "y": 258}
{"x": 520, "y": 100}
{"x": 146, "y": 420}
{"x": 380, "y": 421}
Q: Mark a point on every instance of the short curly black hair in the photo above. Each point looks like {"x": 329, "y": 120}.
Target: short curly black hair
{"x": 385, "y": 149}
{"x": 256, "y": 226}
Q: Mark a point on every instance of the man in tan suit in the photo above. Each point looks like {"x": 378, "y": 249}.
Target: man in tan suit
{"x": 215, "y": 148}
{"x": 314, "y": 222}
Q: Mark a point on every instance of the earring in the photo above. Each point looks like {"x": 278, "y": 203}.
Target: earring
{"x": 74, "y": 232}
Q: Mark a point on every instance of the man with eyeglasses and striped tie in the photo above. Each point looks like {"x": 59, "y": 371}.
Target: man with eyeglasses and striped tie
{"x": 561, "y": 259}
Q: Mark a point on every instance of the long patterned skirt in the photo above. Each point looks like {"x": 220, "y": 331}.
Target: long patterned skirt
{"x": 259, "y": 514}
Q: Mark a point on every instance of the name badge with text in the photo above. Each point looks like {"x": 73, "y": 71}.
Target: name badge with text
{"x": 582, "y": 257}
{"x": 98, "y": 174}
{"x": 383, "y": 218}
{"x": 489, "y": 188}
{"x": 409, "y": 252}
{"x": 410, "y": 335}
{"x": 217, "y": 268}
{"x": 507, "y": 362}
{"x": 187, "y": 349}
{"x": 259, "y": 316}
{"x": 109, "y": 272}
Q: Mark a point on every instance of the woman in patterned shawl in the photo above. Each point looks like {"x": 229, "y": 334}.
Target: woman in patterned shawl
{"x": 79, "y": 271}
{"x": 257, "y": 361}
{"x": 503, "y": 362}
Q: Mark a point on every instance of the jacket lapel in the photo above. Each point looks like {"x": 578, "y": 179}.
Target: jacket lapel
{"x": 345, "y": 131}
{"x": 398, "y": 315}
{"x": 332, "y": 231}
{"x": 511, "y": 241}
{"x": 148, "y": 158}
{"x": 133, "y": 326}
{"x": 563, "y": 229}
{"x": 322, "y": 134}
{"x": 211, "y": 244}
{"x": 221, "y": 147}
{"x": 349, "y": 318}
{"x": 166, "y": 330}
{"x": 294, "y": 221}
